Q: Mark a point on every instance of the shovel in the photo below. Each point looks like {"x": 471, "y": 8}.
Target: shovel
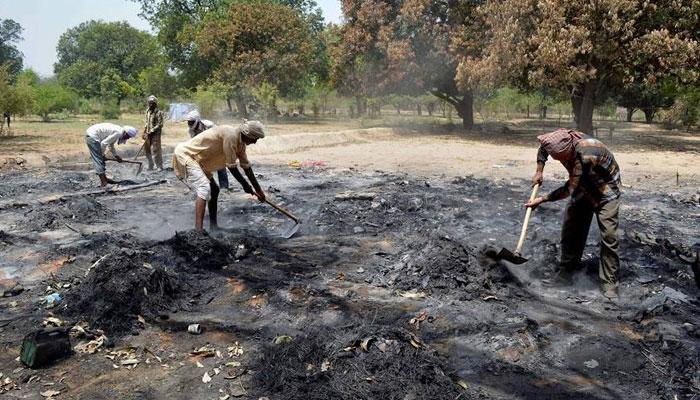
{"x": 138, "y": 170}
{"x": 514, "y": 256}
{"x": 297, "y": 222}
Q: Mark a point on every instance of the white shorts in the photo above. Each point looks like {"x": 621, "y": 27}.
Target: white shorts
{"x": 196, "y": 177}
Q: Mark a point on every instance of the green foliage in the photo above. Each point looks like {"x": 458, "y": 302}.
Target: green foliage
{"x": 157, "y": 81}
{"x": 105, "y": 58}
{"x": 685, "y": 111}
{"x": 267, "y": 95}
{"x": 209, "y": 97}
{"x": 10, "y": 56}
{"x": 109, "y": 110}
{"x": 258, "y": 42}
{"x": 50, "y": 97}
{"x": 14, "y": 98}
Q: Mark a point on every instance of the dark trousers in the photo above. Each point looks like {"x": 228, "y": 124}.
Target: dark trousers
{"x": 574, "y": 232}
{"x": 222, "y": 174}
{"x": 152, "y": 148}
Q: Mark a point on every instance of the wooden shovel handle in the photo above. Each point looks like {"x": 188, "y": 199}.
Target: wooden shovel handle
{"x": 523, "y": 231}
{"x": 282, "y": 210}
{"x": 123, "y": 160}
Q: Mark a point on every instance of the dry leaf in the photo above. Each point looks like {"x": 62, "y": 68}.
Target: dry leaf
{"x": 50, "y": 393}
{"x": 206, "y": 378}
{"x": 365, "y": 343}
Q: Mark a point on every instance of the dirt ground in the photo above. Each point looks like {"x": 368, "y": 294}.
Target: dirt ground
{"x": 387, "y": 291}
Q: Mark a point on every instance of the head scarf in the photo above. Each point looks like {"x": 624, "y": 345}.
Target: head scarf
{"x": 560, "y": 143}
{"x": 253, "y": 129}
{"x": 130, "y": 131}
{"x": 193, "y": 116}
{"x": 153, "y": 99}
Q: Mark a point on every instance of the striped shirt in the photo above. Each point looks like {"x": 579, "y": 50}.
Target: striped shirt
{"x": 593, "y": 174}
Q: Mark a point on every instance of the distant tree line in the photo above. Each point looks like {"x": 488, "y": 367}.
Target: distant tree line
{"x": 421, "y": 55}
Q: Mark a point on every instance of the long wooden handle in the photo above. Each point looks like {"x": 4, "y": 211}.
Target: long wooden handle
{"x": 123, "y": 160}
{"x": 523, "y": 231}
{"x": 282, "y": 210}
{"x": 138, "y": 153}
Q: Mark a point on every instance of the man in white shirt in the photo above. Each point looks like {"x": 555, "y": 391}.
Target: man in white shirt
{"x": 197, "y": 125}
{"x": 100, "y": 136}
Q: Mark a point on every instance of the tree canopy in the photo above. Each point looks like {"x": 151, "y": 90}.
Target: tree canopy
{"x": 256, "y": 43}
{"x": 104, "y": 58}
{"x": 10, "y": 34}
{"x": 584, "y": 48}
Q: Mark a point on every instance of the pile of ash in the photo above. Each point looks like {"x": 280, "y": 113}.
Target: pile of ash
{"x": 122, "y": 287}
{"x": 443, "y": 265}
{"x": 366, "y": 363}
{"x": 200, "y": 250}
{"x": 82, "y": 209}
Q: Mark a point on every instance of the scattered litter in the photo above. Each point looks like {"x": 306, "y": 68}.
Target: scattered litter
{"x": 282, "y": 340}
{"x": 591, "y": 364}
{"x": 44, "y": 346}
{"x": 53, "y": 300}
{"x": 206, "y": 378}
{"x": 195, "y": 329}
{"x": 131, "y": 361}
{"x": 50, "y": 393}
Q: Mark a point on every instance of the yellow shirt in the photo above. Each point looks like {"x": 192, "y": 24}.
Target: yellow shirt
{"x": 214, "y": 149}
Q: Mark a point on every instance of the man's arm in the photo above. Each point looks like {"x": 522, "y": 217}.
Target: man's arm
{"x": 564, "y": 191}
{"x": 251, "y": 177}
{"x": 541, "y": 160}
{"x": 109, "y": 142}
{"x": 244, "y": 184}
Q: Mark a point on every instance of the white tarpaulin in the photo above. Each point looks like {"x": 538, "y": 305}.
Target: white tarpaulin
{"x": 178, "y": 111}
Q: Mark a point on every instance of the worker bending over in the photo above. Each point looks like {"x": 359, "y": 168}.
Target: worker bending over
{"x": 197, "y": 125}
{"x": 593, "y": 188}
{"x": 214, "y": 149}
{"x": 100, "y": 136}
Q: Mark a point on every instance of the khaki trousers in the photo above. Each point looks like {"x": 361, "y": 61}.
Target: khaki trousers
{"x": 152, "y": 146}
{"x": 574, "y": 232}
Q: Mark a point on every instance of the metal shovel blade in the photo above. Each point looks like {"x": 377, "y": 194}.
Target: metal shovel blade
{"x": 292, "y": 231}
{"x": 139, "y": 169}
{"x": 509, "y": 256}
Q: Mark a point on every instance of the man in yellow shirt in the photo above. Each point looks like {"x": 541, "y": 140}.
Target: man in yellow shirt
{"x": 220, "y": 147}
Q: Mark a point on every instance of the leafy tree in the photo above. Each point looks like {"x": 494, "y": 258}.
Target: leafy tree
{"x": 96, "y": 56}
{"x": 50, "y": 97}
{"x": 15, "y": 98}
{"x": 267, "y": 95}
{"x": 255, "y": 43}
{"x": 10, "y": 34}
{"x": 157, "y": 81}
{"x": 178, "y": 21}
{"x": 584, "y": 48}
{"x": 405, "y": 47}
{"x": 648, "y": 98}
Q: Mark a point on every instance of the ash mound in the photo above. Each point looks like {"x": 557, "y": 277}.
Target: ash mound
{"x": 122, "y": 287}
{"x": 369, "y": 363}
{"x": 443, "y": 265}
{"x": 82, "y": 209}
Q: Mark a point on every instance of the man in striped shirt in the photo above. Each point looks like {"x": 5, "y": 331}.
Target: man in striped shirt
{"x": 594, "y": 188}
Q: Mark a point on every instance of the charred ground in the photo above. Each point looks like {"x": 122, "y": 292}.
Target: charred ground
{"x": 386, "y": 293}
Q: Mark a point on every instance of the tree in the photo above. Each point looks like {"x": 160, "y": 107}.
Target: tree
{"x": 10, "y": 34}
{"x": 585, "y": 48}
{"x": 96, "y": 51}
{"x": 15, "y": 98}
{"x": 406, "y": 48}
{"x": 255, "y": 43}
{"x": 157, "y": 81}
{"x": 50, "y": 97}
{"x": 178, "y": 21}
{"x": 648, "y": 98}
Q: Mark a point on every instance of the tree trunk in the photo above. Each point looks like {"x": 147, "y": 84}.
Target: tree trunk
{"x": 465, "y": 109}
{"x": 228, "y": 104}
{"x": 241, "y": 106}
{"x": 583, "y": 100}
{"x": 543, "y": 112}
{"x": 649, "y": 113}
{"x": 430, "y": 107}
{"x": 420, "y": 111}
{"x": 630, "y": 113}
{"x": 528, "y": 111}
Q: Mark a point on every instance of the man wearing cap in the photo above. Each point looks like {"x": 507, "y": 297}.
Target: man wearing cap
{"x": 151, "y": 133}
{"x": 197, "y": 125}
{"x": 220, "y": 147}
{"x": 100, "y": 136}
{"x": 593, "y": 188}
